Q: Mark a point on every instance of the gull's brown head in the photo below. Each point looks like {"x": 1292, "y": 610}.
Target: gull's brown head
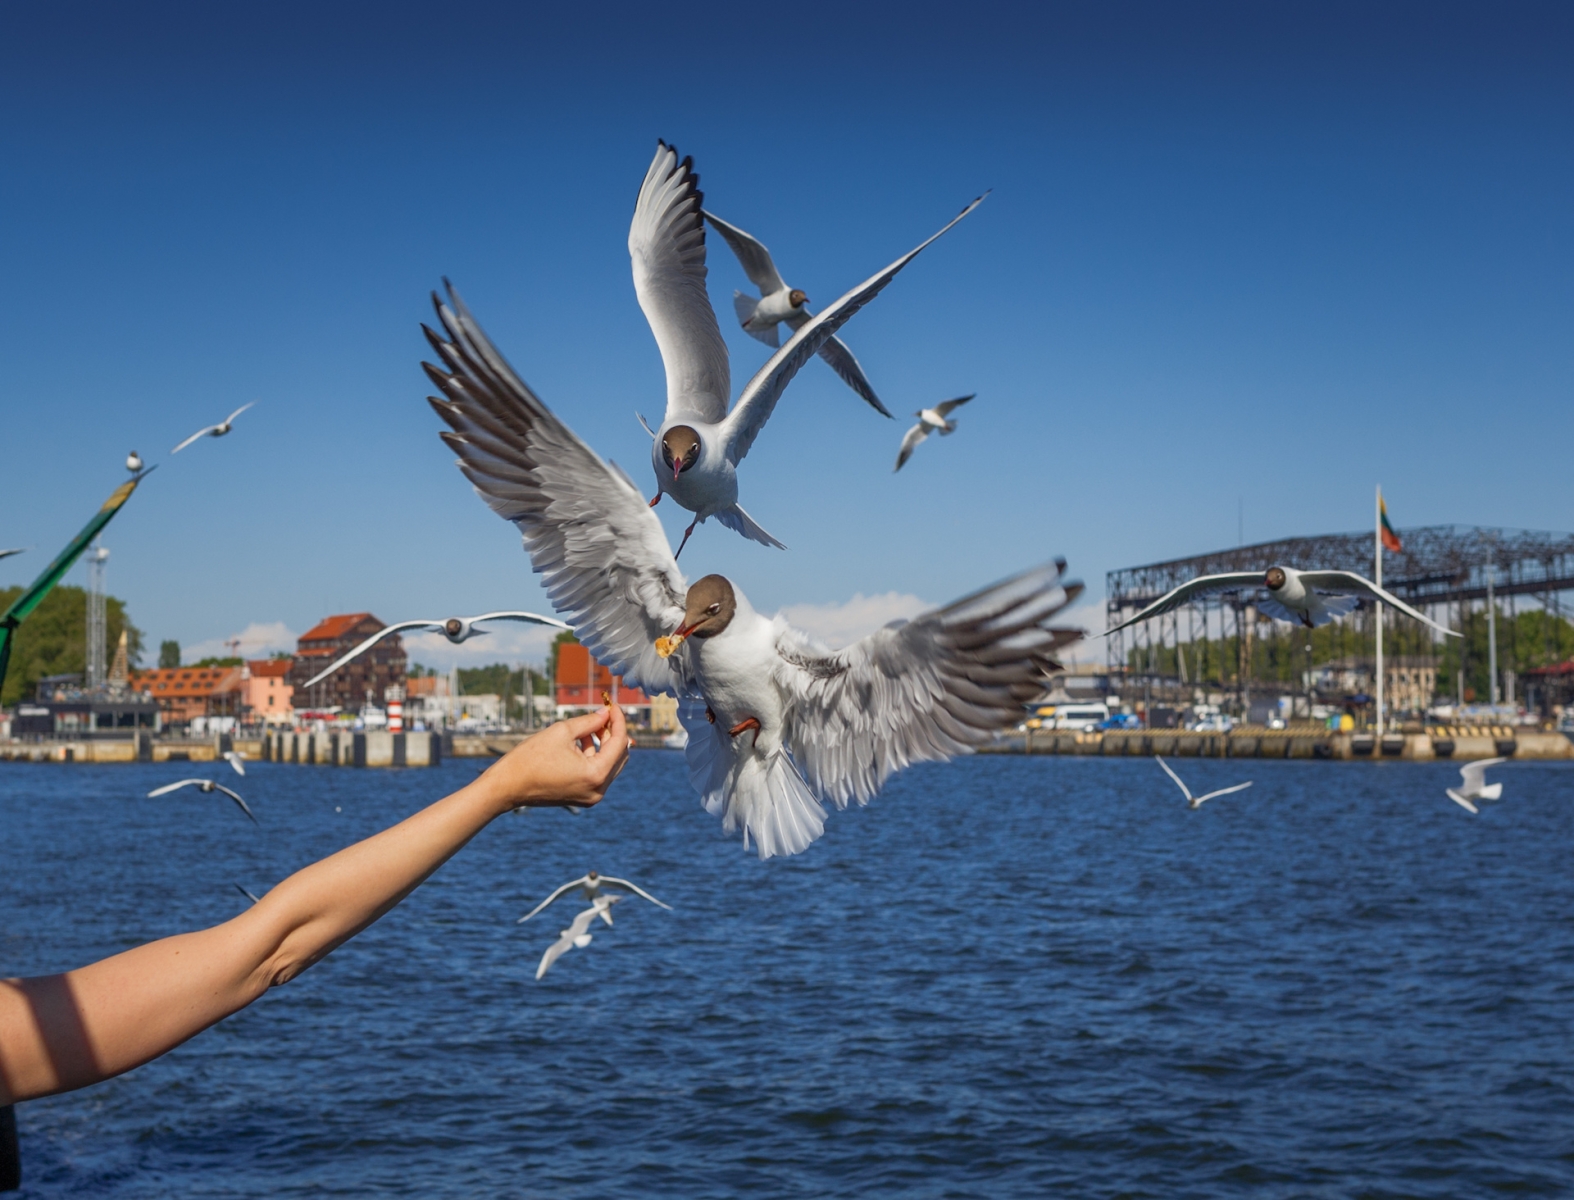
{"x": 1274, "y": 578}
{"x": 592, "y": 876}
{"x": 452, "y": 626}
{"x": 798, "y": 297}
{"x": 707, "y": 610}
{"x": 680, "y": 448}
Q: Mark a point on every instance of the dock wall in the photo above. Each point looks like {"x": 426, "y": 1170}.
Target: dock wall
{"x": 1308, "y": 742}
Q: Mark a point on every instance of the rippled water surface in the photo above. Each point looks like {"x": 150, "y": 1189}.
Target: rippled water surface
{"x": 1007, "y": 977}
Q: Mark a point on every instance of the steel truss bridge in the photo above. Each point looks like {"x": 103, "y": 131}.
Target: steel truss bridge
{"x": 1442, "y": 567}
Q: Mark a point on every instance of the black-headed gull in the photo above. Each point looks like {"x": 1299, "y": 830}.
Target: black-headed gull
{"x": 455, "y": 629}
{"x": 133, "y": 462}
{"x": 592, "y": 885}
{"x": 236, "y": 760}
{"x": 832, "y": 724}
{"x": 699, "y": 445}
{"x": 1196, "y": 801}
{"x": 777, "y": 304}
{"x": 218, "y": 430}
{"x": 930, "y": 420}
{"x": 203, "y": 785}
{"x": 1474, "y": 785}
{"x": 1308, "y": 598}
{"x": 577, "y": 935}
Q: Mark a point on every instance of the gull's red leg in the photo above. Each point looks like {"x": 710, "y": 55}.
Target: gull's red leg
{"x": 744, "y": 726}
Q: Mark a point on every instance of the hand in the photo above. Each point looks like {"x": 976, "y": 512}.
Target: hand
{"x": 561, "y": 765}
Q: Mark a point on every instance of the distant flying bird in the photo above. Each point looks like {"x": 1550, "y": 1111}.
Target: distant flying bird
{"x": 133, "y": 462}
{"x": 1196, "y": 801}
{"x": 455, "y": 629}
{"x": 777, "y": 303}
{"x": 1295, "y": 596}
{"x": 218, "y": 430}
{"x": 1474, "y": 785}
{"x": 699, "y": 445}
{"x": 248, "y": 895}
{"x": 577, "y": 935}
{"x": 236, "y": 760}
{"x": 9, "y": 553}
{"x": 592, "y": 885}
{"x": 930, "y": 420}
{"x": 203, "y": 785}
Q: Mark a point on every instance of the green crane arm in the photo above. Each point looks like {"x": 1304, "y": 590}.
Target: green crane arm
{"x": 52, "y": 574}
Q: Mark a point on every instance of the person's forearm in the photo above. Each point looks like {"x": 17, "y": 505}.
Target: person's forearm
{"x": 59, "y": 1032}
{"x": 102, "y": 1019}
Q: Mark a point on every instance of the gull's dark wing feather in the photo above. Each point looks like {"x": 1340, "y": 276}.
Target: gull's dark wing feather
{"x": 601, "y": 552}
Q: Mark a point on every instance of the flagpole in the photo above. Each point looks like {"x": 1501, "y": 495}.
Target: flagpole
{"x": 1377, "y": 554}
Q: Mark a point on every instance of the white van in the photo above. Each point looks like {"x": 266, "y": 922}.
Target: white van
{"x": 1082, "y": 717}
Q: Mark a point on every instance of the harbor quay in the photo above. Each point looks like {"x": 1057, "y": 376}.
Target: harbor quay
{"x": 1312, "y": 741}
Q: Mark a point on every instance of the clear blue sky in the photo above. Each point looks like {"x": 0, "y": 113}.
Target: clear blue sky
{"x": 1263, "y": 252}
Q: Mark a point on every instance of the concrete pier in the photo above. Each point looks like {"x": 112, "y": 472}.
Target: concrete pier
{"x": 1256, "y": 741}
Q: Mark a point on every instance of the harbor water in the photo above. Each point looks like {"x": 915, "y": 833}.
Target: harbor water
{"x": 1006, "y": 977}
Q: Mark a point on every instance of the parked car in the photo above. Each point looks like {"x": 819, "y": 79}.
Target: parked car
{"x": 1119, "y": 721}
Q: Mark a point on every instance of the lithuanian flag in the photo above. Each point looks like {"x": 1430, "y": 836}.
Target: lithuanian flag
{"x": 1391, "y": 541}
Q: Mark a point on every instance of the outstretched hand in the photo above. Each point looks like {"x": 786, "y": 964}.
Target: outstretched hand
{"x": 561, "y": 764}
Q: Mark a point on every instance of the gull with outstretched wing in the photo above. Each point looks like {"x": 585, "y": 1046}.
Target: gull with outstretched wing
{"x": 1309, "y": 598}
{"x": 930, "y": 420}
{"x": 1474, "y": 786}
{"x": 577, "y": 935}
{"x": 455, "y": 629}
{"x": 236, "y": 760}
{"x": 822, "y": 724}
{"x": 1196, "y": 801}
{"x": 590, "y": 886}
{"x": 778, "y": 304}
{"x": 205, "y": 786}
{"x": 218, "y": 430}
{"x": 699, "y": 444}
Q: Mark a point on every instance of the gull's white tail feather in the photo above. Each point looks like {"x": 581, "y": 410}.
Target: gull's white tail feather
{"x": 765, "y": 797}
{"x": 1491, "y": 792}
{"x": 744, "y": 306}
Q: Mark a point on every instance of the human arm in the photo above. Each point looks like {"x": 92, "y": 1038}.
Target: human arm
{"x": 60, "y": 1032}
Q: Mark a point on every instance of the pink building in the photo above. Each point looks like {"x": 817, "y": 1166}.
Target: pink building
{"x": 266, "y": 695}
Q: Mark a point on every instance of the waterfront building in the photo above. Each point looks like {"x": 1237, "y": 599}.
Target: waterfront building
{"x": 266, "y": 692}
{"x": 361, "y": 682}
{"x": 581, "y": 680}
{"x": 185, "y": 693}
{"x": 61, "y": 706}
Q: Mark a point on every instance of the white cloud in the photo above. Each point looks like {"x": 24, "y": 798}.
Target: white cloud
{"x": 256, "y": 641}
{"x": 838, "y": 625}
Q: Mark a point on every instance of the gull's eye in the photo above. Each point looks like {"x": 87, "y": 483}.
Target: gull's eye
{"x": 714, "y": 608}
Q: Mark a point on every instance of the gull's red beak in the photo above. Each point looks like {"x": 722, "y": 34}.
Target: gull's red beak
{"x": 666, "y": 645}
{"x": 677, "y": 467}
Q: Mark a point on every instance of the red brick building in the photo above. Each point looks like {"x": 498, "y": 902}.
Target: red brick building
{"x": 364, "y": 679}
{"x": 581, "y": 680}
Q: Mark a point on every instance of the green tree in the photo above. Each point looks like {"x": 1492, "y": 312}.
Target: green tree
{"x": 169, "y": 654}
{"x": 53, "y": 640}
{"x": 217, "y": 662}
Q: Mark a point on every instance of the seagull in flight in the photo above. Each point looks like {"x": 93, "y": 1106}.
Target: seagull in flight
{"x": 455, "y": 629}
{"x": 1196, "y": 801}
{"x": 776, "y": 723}
{"x": 1309, "y": 598}
{"x": 591, "y": 886}
{"x": 577, "y": 935}
{"x": 930, "y": 420}
{"x": 777, "y": 304}
{"x": 697, "y": 449}
{"x": 236, "y": 760}
{"x": 218, "y": 430}
{"x": 133, "y": 462}
{"x": 1474, "y": 786}
{"x": 204, "y": 785}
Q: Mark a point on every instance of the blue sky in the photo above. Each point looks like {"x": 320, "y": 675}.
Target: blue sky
{"x": 1236, "y": 255}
